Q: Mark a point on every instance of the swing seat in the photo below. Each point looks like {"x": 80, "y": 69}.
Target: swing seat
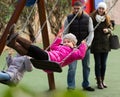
{"x": 46, "y": 65}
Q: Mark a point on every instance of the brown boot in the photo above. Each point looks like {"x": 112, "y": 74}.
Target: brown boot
{"x": 13, "y": 44}
{"x": 104, "y": 85}
{"x": 12, "y": 36}
{"x": 23, "y": 42}
{"x": 20, "y": 49}
{"x": 99, "y": 83}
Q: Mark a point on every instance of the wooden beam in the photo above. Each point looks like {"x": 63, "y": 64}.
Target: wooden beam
{"x": 42, "y": 18}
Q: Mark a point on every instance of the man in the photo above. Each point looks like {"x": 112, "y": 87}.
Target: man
{"x": 82, "y": 28}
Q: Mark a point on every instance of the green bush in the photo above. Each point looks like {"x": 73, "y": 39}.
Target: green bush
{"x": 25, "y": 92}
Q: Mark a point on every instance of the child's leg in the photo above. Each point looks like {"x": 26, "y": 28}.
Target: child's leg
{"x": 4, "y": 76}
{"x": 37, "y": 53}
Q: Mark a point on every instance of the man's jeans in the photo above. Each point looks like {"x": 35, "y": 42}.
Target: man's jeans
{"x": 86, "y": 71}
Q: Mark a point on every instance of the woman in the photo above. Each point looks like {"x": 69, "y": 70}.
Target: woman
{"x": 100, "y": 45}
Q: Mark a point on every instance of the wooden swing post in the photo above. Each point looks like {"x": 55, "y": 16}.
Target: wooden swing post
{"x": 42, "y": 17}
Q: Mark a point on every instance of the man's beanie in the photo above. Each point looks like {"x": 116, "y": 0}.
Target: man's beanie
{"x": 102, "y": 5}
{"x": 71, "y": 37}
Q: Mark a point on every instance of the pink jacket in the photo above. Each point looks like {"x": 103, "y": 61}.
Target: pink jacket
{"x": 59, "y": 52}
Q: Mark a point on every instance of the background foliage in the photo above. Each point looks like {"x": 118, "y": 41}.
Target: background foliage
{"x": 57, "y": 15}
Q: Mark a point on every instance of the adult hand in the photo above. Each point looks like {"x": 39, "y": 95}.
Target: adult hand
{"x": 105, "y": 30}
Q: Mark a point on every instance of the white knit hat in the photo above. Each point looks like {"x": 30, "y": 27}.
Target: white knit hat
{"x": 71, "y": 37}
{"x": 102, "y": 4}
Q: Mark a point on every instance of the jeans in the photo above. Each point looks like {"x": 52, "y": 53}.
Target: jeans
{"x": 86, "y": 71}
{"x": 100, "y": 64}
{"x": 4, "y": 76}
{"x": 71, "y": 75}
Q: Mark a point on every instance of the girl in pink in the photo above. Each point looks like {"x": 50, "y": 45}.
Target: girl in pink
{"x": 61, "y": 51}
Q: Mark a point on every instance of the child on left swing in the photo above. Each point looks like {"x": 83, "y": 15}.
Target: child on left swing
{"x": 17, "y": 66}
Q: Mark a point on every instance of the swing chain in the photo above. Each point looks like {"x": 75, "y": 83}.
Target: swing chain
{"x": 24, "y": 26}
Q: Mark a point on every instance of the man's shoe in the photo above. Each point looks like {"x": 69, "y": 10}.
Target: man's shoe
{"x": 89, "y": 89}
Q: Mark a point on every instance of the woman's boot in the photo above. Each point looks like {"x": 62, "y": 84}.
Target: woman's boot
{"x": 99, "y": 83}
{"x": 104, "y": 85}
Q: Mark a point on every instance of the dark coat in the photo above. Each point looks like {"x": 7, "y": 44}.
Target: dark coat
{"x": 101, "y": 40}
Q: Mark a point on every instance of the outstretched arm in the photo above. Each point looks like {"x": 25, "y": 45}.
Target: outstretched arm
{"x": 91, "y": 33}
{"x": 56, "y": 43}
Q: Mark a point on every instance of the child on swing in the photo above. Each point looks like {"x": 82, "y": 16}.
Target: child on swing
{"x": 59, "y": 50}
{"x": 17, "y": 66}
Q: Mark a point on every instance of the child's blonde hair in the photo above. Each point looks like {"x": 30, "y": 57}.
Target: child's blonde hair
{"x": 71, "y": 37}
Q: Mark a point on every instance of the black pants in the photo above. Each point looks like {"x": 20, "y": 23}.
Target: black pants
{"x": 37, "y": 53}
{"x": 100, "y": 63}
